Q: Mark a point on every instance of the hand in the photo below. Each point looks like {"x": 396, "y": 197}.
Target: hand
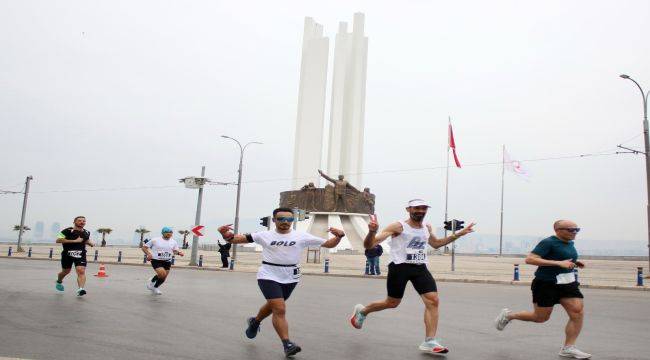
{"x": 320, "y": 171}
{"x": 467, "y": 230}
{"x": 225, "y": 229}
{"x": 336, "y": 232}
{"x": 566, "y": 264}
{"x": 580, "y": 264}
{"x": 373, "y": 225}
{"x": 90, "y": 243}
{"x": 180, "y": 253}
{"x": 78, "y": 240}
{"x": 149, "y": 257}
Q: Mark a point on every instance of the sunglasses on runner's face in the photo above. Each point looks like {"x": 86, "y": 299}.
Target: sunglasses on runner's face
{"x": 571, "y": 230}
{"x": 284, "y": 219}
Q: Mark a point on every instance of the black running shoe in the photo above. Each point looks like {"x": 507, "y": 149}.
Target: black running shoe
{"x": 291, "y": 349}
{"x": 81, "y": 292}
{"x": 253, "y": 328}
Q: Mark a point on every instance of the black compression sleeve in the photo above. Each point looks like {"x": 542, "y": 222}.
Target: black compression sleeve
{"x": 249, "y": 238}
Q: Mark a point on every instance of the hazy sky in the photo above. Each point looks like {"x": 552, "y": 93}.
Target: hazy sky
{"x": 123, "y": 94}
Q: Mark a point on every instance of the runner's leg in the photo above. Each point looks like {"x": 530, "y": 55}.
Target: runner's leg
{"x": 431, "y": 303}
{"x": 539, "y": 315}
{"x": 81, "y": 276}
{"x": 280, "y": 324}
{"x": 63, "y": 274}
{"x": 575, "y": 309}
{"x": 161, "y": 275}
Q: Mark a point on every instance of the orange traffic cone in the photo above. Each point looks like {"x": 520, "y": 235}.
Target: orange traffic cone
{"x": 102, "y": 271}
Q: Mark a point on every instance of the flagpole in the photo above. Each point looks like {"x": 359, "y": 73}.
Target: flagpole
{"x": 503, "y": 170}
{"x": 447, "y": 184}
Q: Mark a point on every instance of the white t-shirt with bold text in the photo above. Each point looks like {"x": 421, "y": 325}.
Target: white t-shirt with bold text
{"x": 162, "y": 249}
{"x": 283, "y": 249}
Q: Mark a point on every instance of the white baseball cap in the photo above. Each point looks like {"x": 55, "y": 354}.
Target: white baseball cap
{"x": 417, "y": 202}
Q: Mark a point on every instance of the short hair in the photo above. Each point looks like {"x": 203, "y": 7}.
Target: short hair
{"x": 78, "y": 217}
{"x": 282, "y": 209}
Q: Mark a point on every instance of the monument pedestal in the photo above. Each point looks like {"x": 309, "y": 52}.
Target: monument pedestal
{"x": 355, "y": 227}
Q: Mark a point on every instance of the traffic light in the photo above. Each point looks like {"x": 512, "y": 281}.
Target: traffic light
{"x": 266, "y": 222}
{"x": 303, "y": 215}
{"x": 453, "y": 225}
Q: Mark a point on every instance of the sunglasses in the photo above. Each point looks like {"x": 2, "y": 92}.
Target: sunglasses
{"x": 571, "y": 230}
{"x": 284, "y": 219}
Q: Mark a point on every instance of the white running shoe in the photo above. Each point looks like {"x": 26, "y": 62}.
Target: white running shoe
{"x": 502, "y": 320}
{"x": 572, "y": 351}
{"x": 157, "y": 291}
{"x": 150, "y": 286}
{"x": 433, "y": 346}
{"x": 357, "y": 318}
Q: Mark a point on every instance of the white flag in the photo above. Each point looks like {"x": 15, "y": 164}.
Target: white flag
{"x": 515, "y": 166}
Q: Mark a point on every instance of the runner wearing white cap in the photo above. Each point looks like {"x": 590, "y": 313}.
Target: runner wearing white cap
{"x": 408, "y": 253}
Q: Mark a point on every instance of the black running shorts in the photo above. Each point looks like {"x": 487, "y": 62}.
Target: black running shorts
{"x": 400, "y": 274}
{"x": 275, "y": 290}
{"x": 76, "y": 257}
{"x": 547, "y": 293}
{"x": 161, "y": 264}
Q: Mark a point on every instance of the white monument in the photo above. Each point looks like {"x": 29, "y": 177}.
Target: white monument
{"x": 346, "y": 126}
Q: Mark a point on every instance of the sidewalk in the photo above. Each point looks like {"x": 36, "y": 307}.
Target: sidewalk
{"x": 608, "y": 274}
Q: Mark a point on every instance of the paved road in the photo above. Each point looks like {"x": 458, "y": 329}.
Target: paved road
{"x": 201, "y": 316}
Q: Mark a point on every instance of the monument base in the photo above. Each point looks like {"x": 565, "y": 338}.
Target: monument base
{"x": 354, "y": 225}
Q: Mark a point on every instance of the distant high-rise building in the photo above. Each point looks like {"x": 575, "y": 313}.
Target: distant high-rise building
{"x": 55, "y": 230}
{"x": 39, "y": 231}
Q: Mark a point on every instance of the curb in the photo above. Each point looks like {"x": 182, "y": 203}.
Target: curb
{"x": 374, "y": 277}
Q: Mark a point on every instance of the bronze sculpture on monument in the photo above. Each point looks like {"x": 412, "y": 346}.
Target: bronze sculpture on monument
{"x": 338, "y": 197}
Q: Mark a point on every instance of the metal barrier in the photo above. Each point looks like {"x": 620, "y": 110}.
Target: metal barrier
{"x": 173, "y": 259}
{"x": 96, "y": 255}
{"x": 51, "y": 252}
{"x": 639, "y": 276}
{"x": 200, "y": 260}
{"x": 29, "y": 252}
{"x": 9, "y": 252}
{"x": 119, "y": 256}
{"x": 144, "y": 259}
{"x": 327, "y": 266}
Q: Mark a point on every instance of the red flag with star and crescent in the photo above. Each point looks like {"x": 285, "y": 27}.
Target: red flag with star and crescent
{"x": 452, "y": 145}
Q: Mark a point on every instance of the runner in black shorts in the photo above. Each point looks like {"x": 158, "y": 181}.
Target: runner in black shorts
{"x": 555, "y": 283}
{"x": 160, "y": 251}
{"x": 74, "y": 240}
{"x": 279, "y": 273}
{"x": 408, "y": 251}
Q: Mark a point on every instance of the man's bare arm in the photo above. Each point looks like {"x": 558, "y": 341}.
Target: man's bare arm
{"x": 437, "y": 243}
{"x": 373, "y": 238}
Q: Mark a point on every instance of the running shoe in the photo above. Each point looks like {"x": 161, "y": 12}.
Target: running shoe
{"x": 150, "y": 286}
{"x": 59, "y": 286}
{"x": 502, "y": 320}
{"x": 157, "y": 291}
{"x": 357, "y": 318}
{"x": 291, "y": 349}
{"x": 572, "y": 352}
{"x": 253, "y": 328}
{"x": 81, "y": 292}
{"x": 433, "y": 346}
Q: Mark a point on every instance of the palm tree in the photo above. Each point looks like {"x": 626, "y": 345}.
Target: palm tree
{"x": 104, "y": 232}
{"x": 184, "y": 233}
{"x": 142, "y": 230}
{"x": 17, "y": 228}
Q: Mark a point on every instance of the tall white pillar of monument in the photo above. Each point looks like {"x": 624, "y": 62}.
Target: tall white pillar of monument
{"x": 311, "y": 105}
{"x": 347, "y": 115}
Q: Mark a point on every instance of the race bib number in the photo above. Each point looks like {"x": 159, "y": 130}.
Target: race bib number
{"x": 164, "y": 255}
{"x": 566, "y": 278}
{"x": 75, "y": 254}
{"x": 296, "y": 272}
{"x": 416, "y": 252}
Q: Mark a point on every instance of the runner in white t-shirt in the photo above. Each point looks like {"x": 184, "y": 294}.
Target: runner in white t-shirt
{"x": 160, "y": 251}
{"x": 409, "y": 258}
{"x": 280, "y": 270}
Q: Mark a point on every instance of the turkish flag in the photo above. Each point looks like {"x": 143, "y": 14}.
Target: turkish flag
{"x": 452, "y": 145}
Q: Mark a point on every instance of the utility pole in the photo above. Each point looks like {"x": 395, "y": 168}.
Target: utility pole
{"x": 197, "y": 219}
{"x": 22, "y": 216}
{"x": 646, "y": 153}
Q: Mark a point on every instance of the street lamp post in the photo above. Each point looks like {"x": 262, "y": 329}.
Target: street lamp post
{"x": 241, "y": 161}
{"x": 646, "y": 153}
